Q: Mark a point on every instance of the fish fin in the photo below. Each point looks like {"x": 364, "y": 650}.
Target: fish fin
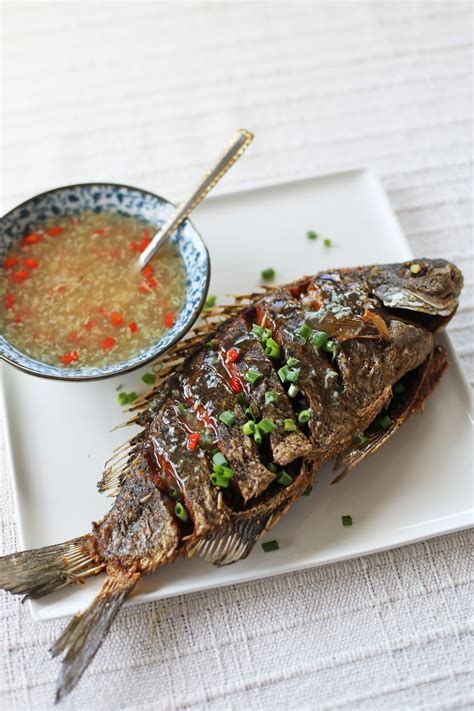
{"x": 230, "y": 544}
{"x": 85, "y": 632}
{"x": 432, "y": 371}
{"x": 35, "y": 573}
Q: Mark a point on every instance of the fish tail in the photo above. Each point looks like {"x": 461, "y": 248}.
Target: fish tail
{"x": 84, "y": 634}
{"x": 35, "y": 573}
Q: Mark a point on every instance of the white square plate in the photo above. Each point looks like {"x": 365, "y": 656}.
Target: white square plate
{"x": 419, "y": 485}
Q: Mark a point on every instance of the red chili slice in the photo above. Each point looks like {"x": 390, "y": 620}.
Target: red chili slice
{"x": 231, "y": 355}
{"x": 31, "y": 263}
{"x": 18, "y": 319}
{"x": 193, "y": 440}
{"x": 73, "y": 337}
{"x": 147, "y": 271}
{"x": 169, "y": 319}
{"x": 55, "y": 231}
{"x": 100, "y": 231}
{"x": 19, "y": 276}
{"x": 102, "y": 309}
{"x": 68, "y": 358}
{"x": 133, "y": 327}
{"x": 9, "y": 301}
{"x": 10, "y": 262}
{"x": 89, "y": 324}
{"x": 32, "y": 238}
{"x": 143, "y": 289}
{"x": 108, "y": 343}
{"x": 116, "y": 319}
{"x": 152, "y": 283}
{"x": 236, "y": 385}
{"x": 134, "y": 247}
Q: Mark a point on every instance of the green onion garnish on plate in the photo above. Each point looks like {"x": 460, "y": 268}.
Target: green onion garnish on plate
{"x": 293, "y": 390}
{"x": 304, "y": 331}
{"x": 289, "y": 425}
{"x": 266, "y": 425}
{"x": 311, "y": 234}
{"x": 268, "y": 274}
{"x": 122, "y": 398}
{"x": 319, "y": 338}
{"x": 131, "y": 396}
{"x": 270, "y": 546}
{"x": 346, "y": 520}
{"x": 307, "y": 491}
{"x": 361, "y": 438}
{"x": 327, "y": 242}
{"x": 149, "y": 378}
{"x": 210, "y": 301}
{"x": 272, "y": 349}
{"x": 304, "y": 416}
{"x": 219, "y": 459}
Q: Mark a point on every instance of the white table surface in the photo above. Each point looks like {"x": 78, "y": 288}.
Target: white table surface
{"x": 144, "y": 93}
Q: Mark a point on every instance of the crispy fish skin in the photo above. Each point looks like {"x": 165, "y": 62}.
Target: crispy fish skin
{"x": 380, "y": 320}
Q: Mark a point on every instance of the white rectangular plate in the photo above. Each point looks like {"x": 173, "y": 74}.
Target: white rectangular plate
{"x": 418, "y": 485}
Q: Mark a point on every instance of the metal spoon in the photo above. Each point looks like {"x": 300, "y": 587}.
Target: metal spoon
{"x": 233, "y": 151}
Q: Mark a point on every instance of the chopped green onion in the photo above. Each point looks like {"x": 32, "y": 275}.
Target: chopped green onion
{"x": 293, "y": 390}
{"x": 319, "y": 338}
{"x": 311, "y": 234}
{"x": 398, "y": 389}
{"x": 327, "y": 242}
{"x": 249, "y": 428}
{"x": 272, "y": 467}
{"x": 270, "y": 546}
{"x": 266, "y": 425}
{"x": 382, "y": 422}
{"x": 257, "y": 435}
{"x": 241, "y": 399}
{"x": 182, "y": 408}
{"x": 293, "y": 375}
{"x": 219, "y": 480}
{"x": 219, "y": 459}
{"x": 252, "y": 375}
{"x": 225, "y": 472}
{"x": 304, "y": 416}
{"x": 272, "y": 349}
{"x": 284, "y": 479}
{"x": 307, "y": 491}
{"x": 131, "y": 396}
{"x": 210, "y": 301}
{"x": 361, "y": 438}
{"x": 227, "y": 417}
{"x": 292, "y": 361}
{"x": 331, "y": 347}
{"x": 174, "y": 493}
{"x": 122, "y": 398}
{"x": 214, "y": 359}
{"x": 304, "y": 331}
{"x": 268, "y": 274}
{"x": 251, "y": 412}
{"x": 289, "y": 425}
{"x": 206, "y": 438}
{"x": 263, "y": 333}
{"x": 181, "y": 512}
{"x": 271, "y": 397}
{"x": 346, "y": 520}
{"x": 283, "y": 373}
{"x": 149, "y": 378}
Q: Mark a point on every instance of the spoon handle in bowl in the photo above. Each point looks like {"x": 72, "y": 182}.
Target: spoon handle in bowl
{"x": 232, "y": 152}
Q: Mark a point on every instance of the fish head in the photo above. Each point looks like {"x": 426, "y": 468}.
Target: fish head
{"x": 429, "y": 287}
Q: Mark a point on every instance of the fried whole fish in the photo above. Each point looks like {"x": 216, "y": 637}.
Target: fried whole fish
{"x": 240, "y": 423}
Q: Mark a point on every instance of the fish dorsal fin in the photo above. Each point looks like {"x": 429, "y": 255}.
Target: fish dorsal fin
{"x": 430, "y": 374}
{"x": 230, "y": 543}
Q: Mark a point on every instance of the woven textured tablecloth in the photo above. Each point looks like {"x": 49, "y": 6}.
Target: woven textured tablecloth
{"x": 144, "y": 93}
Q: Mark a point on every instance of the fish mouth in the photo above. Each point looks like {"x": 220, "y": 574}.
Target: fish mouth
{"x": 427, "y": 289}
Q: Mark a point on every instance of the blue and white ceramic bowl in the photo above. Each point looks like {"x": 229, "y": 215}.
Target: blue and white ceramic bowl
{"x": 123, "y": 200}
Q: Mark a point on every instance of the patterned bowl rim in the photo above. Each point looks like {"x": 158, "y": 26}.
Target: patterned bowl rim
{"x": 81, "y": 377}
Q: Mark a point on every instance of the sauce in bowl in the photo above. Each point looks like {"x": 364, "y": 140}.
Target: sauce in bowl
{"x": 72, "y": 296}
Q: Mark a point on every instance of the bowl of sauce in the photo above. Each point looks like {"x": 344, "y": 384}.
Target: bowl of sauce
{"x": 73, "y": 304}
